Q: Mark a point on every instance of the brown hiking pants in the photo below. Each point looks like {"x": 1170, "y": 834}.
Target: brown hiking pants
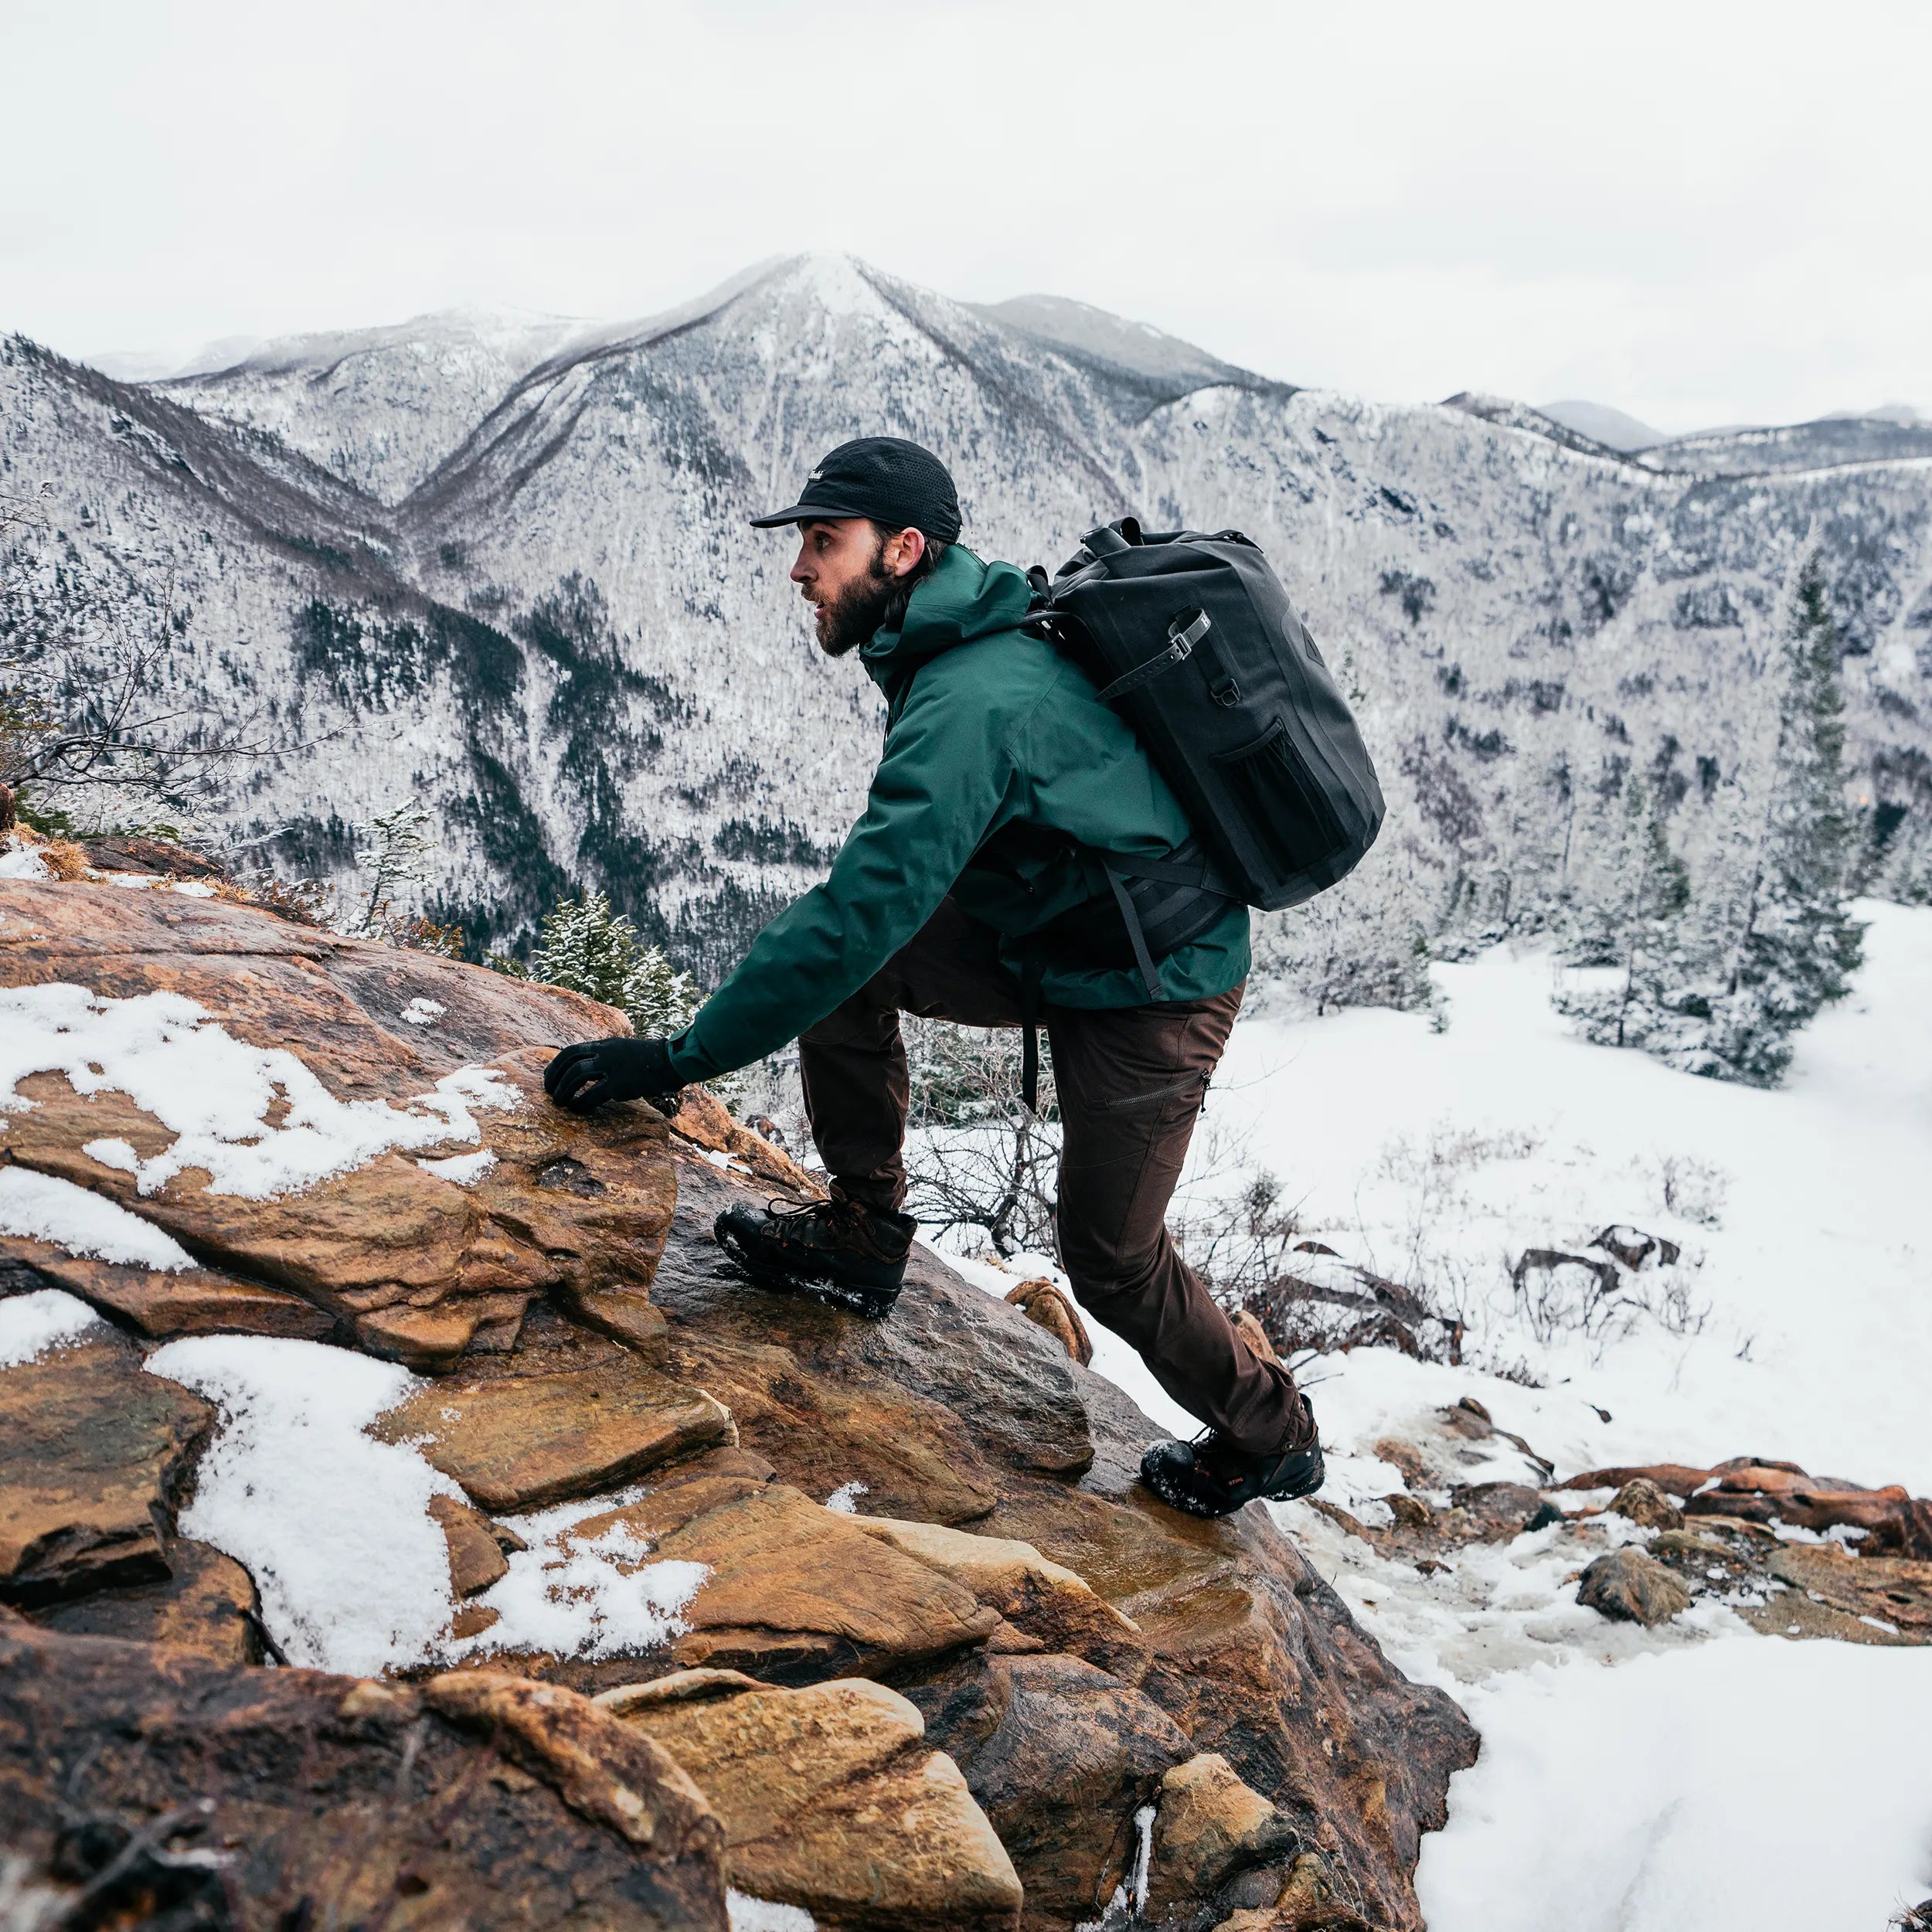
{"x": 1131, "y": 1081}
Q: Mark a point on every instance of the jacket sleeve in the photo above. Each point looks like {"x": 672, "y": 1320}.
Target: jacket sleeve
{"x": 948, "y": 778}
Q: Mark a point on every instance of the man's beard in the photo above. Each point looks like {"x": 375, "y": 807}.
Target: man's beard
{"x": 859, "y": 610}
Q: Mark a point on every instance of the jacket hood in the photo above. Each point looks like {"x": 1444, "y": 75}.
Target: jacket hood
{"x": 964, "y": 599}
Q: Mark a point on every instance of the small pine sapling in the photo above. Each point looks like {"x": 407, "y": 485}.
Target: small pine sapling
{"x": 588, "y": 947}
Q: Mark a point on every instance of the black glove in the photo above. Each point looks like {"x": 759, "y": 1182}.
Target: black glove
{"x": 596, "y": 1070}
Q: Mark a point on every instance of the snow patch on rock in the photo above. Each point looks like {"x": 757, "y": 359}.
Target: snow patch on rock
{"x": 465, "y": 1169}
{"x": 42, "y": 1207}
{"x": 176, "y": 1063}
{"x": 334, "y": 1526}
{"x": 748, "y": 1914}
{"x": 589, "y": 1596}
{"x": 31, "y": 1324}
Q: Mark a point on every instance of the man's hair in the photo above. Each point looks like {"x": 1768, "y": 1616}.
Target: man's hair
{"x": 893, "y": 610}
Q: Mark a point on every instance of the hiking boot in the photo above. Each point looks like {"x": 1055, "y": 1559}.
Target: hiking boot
{"x": 1209, "y": 1477}
{"x": 850, "y": 1256}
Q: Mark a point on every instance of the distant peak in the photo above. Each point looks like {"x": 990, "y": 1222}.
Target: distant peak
{"x": 1098, "y": 333}
{"x": 1602, "y": 423}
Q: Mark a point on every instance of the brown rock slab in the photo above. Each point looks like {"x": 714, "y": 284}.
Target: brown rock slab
{"x": 1046, "y": 1308}
{"x": 926, "y": 1409}
{"x": 344, "y": 1801}
{"x": 1310, "y": 1901}
{"x": 92, "y": 1453}
{"x": 1251, "y": 1654}
{"x": 831, "y": 1428}
{"x": 423, "y": 1266}
{"x": 1497, "y": 1512}
{"x": 1629, "y": 1587}
{"x": 163, "y": 857}
{"x": 206, "y": 1603}
{"x": 1211, "y": 1825}
{"x": 187, "y": 1301}
{"x": 795, "y": 1592}
{"x": 601, "y": 1768}
{"x": 516, "y": 1443}
{"x": 831, "y": 1799}
{"x": 1674, "y": 1478}
{"x": 703, "y": 1120}
{"x": 1042, "y": 1599}
{"x": 476, "y": 1558}
{"x": 1060, "y": 1756}
{"x": 1248, "y": 1327}
{"x": 1402, "y": 1454}
{"x": 1872, "y": 1600}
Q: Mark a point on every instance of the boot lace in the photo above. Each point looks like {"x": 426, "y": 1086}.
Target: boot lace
{"x": 845, "y": 1222}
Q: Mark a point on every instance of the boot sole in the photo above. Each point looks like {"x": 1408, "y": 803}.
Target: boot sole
{"x": 874, "y": 1303}
{"x": 1177, "y": 1497}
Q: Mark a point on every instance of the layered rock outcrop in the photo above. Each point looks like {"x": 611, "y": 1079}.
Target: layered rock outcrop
{"x": 1013, "y": 1688}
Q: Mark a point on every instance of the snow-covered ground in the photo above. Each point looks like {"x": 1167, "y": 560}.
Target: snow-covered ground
{"x": 1698, "y": 1775}
{"x": 1438, "y": 1157}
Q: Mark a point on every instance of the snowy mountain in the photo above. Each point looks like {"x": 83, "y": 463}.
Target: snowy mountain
{"x": 1830, "y": 441}
{"x": 379, "y": 407}
{"x": 504, "y": 567}
{"x": 1601, "y": 423}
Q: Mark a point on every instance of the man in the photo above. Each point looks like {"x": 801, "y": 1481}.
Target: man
{"x": 969, "y": 889}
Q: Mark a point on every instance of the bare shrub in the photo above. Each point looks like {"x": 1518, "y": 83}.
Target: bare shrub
{"x": 976, "y": 1157}
{"x": 1689, "y": 1188}
{"x": 1242, "y": 1242}
{"x": 1666, "y": 1298}
{"x": 1560, "y": 1293}
{"x": 1324, "y": 1305}
{"x": 1434, "y": 1174}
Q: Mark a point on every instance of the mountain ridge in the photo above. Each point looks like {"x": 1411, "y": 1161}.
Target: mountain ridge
{"x": 564, "y": 636}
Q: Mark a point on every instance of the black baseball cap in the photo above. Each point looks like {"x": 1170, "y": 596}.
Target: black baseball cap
{"x": 885, "y": 478}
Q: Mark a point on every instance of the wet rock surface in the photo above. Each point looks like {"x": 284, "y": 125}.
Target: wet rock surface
{"x": 1632, "y": 1588}
{"x": 93, "y": 1455}
{"x": 141, "y": 1779}
{"x": 205, "y": 1604}
{"x": 1060, "y": 1756}
{"x": 1210, "y": 1827}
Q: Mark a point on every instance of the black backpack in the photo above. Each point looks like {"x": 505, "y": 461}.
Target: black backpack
{"x": 1193, "y": 640}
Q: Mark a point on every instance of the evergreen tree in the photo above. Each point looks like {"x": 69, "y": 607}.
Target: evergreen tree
{"x": 586, "y": 947}
{"x": 1628, "y": 921}
{"x": 1719, "y": 984}
{"x": 1795, "y": 948}
{"x": 393, "y": 849}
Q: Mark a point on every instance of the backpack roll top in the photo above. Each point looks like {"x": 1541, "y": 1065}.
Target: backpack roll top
{"x": 1193, "y": 642}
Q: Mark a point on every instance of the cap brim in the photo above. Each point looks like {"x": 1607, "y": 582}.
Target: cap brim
{"x": 805, "y": 513}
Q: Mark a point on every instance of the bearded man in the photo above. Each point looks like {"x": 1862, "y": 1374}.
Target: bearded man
{"x": 970, "y": 891}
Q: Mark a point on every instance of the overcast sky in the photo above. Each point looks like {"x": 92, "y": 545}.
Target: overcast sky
{"x": 1699, "y": 212}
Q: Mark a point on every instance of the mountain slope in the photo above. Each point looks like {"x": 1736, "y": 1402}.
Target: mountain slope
{"x": 566, "y": 638}
{"x": 378, "y": 407}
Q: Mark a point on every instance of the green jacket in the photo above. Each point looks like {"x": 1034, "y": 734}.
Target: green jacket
{"x": 992, "y": 735}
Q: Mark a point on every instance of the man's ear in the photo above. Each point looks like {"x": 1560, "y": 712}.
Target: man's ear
{"x": 904, "y": 550}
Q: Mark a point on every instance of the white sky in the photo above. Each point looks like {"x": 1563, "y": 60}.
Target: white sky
{"x": 1699, "y": 211}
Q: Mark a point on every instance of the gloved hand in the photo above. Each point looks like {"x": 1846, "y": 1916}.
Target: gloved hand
{"x": 593, "y": 1071}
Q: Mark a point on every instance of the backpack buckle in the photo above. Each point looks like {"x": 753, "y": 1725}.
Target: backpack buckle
{"x": 1181, "y": 642}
